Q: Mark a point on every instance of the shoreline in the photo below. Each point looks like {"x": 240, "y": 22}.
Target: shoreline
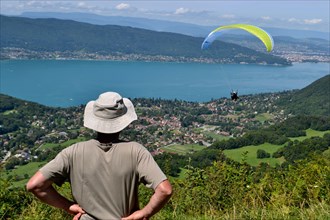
{"x": 24, "y": 54}
{"x": 150, "y": 61}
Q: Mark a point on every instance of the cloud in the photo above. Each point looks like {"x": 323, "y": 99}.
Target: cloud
{"x": 305, "y": 21}
{"x": 267, "y": 18}
{"x": 17, "y": 7}
{"x": 123, "y": 6}
{"x": 190, "y": 13}
{"x": 230, "y": 16}
{"x": 84, "y": 6}
{"x": 81, "y": 4}
{"x": 293, "y": 20}
{"x": 312, "y": 21}
{"x": 180, "y": 11}
{"x": 29, "y": 3}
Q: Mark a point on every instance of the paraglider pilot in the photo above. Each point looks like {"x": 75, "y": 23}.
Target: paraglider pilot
{"x": 234, "y": 95}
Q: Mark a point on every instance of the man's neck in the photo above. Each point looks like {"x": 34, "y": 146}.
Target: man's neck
{"x": 108, "y": 138}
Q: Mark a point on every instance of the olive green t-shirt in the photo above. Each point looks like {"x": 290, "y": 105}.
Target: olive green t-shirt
{"x": 104, "y": 178}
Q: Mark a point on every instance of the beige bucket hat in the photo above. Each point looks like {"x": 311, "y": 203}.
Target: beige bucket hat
{"x": 110, "y": 113}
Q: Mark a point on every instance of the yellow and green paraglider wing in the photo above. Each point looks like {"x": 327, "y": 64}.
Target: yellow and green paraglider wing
{"x": 256, "y": 31}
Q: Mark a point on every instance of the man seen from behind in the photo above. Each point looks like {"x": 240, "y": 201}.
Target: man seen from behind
{"x": 105, "y": 172}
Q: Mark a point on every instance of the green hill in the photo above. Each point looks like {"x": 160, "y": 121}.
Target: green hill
{"x": 311, "y": 100}
{"x": 70, "y": 36}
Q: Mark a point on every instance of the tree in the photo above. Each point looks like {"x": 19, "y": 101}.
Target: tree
{"x": 262, "y": 154}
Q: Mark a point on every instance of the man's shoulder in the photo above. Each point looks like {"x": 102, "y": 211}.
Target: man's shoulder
{"x": 79, "y": 145}
{"x": 132, "y": 144}
{"x": 83, "y": 143}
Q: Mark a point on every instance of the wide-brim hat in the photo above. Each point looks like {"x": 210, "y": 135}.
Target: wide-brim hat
{"x": 110, "y": 113}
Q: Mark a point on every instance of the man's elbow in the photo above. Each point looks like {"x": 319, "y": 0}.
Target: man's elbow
{"x": 31, "y": 187}
{"x": 169, "y": 193}
{"x": 166, "y": 188}
{"x": 36, "y": 183}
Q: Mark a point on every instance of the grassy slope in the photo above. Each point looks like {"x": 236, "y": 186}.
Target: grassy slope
{"x": 28, "y": 169}
{"x": 251, "y": 156}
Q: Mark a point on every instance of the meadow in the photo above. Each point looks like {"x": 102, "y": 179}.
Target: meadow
{"x": 249, "y": 154}
{"x": 183, "y": 149}
{"x": 310, "y": 133}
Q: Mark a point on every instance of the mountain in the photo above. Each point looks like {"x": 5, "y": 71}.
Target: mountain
{"x": 144, "y": 23}
{"x": 166, "y": 26}
{"x": 55, "y": 35}
{"x": 312, "y": 47}
{"x": 314, "y": 99}
{"x": 288, "y": 43}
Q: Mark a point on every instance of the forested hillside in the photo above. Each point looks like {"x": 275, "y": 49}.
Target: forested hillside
{"x": 311, "y": 100}
{"x": 50, "y": 35}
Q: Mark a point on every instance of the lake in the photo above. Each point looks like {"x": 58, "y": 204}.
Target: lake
{"x": 66, "y": 83}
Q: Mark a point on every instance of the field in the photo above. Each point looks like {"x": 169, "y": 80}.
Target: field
{"x": 208, "y": 130}
{"x": 217, "y": 137}
{"x": 263, "y": 117}
{"x": 251, "y": 154}
{"x": 22, "y": 172}
{"x": 310, "y": 133}
{"x": 183, "y": 149}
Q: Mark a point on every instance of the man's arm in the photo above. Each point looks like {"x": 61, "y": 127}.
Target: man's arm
{"x": 42, "y": 188}
{"x": 161, "y": 196}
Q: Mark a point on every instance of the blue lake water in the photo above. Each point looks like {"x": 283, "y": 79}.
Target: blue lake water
{"x": 73, "y": 82}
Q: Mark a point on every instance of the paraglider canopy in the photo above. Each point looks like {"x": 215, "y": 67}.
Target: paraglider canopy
{"x": 256, "y": 31}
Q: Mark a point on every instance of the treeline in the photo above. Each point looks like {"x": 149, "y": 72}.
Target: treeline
{"x": 298, "y": 150}
{"x": 66, "y": 35}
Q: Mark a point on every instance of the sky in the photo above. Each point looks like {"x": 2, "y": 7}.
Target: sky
{"x": 296, "y": 14}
